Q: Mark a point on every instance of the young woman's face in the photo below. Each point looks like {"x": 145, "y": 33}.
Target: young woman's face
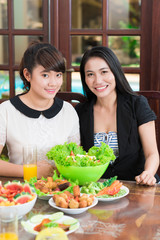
{"x": 45, "y": 84}
{"x": 99, "y": 77}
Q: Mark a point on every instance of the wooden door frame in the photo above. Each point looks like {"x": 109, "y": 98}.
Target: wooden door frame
{"x": 150, "y": 37}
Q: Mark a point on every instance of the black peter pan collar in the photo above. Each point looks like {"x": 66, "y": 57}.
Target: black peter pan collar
{"x": 32, "y": 113}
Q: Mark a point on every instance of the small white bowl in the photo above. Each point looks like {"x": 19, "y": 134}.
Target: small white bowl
{"x": 22, "y": 209}
{"x": 72, "y": 210}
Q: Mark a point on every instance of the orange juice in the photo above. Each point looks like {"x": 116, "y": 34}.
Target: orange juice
{"x": 8, "y": 236}
{"x": 29, "y": 171}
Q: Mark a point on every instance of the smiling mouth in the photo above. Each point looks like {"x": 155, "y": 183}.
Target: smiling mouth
{"x": 50, "y": 90}
{"x": 101, "y": 88}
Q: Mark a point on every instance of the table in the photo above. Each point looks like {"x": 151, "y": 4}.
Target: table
{"x": 134, "y": 217}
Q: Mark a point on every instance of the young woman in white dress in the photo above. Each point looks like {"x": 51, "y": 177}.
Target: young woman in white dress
{"x": 37, "y": 116}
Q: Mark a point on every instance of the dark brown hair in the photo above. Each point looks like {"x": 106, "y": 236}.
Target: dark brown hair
{"x": 44, "y": 54}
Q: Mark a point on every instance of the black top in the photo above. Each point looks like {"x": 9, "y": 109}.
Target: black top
{"x": 32, "y": 113}
{"x": 132, "y": 111}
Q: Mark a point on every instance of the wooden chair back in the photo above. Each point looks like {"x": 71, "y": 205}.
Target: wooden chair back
{"x": 72, "y": 97}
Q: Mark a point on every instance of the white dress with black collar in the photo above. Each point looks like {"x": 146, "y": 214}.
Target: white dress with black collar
{"x": 21, "y": 125}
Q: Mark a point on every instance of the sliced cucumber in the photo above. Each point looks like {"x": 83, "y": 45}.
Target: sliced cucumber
{"x": 28, "y": 227}
{"x": 56, "y": 216}
{"x": 72, "y": 227}
{"x": 37, "y": 218}
{"x": 70, "y": 221}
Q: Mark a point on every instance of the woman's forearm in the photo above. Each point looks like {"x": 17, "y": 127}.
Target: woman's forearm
{"x": 152, "y": 163}
{"x": 10, "y": 169}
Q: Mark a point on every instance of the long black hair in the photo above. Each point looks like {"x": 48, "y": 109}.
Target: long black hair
{"x": 111, "y": 59}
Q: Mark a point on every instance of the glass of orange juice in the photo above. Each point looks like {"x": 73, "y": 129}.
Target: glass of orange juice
{"x": 8, "y": 224}
{"x": 29, "y": 162}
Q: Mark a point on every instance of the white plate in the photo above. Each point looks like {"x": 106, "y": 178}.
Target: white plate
{"x": 29, "y": 226}
{"x": 45, "y": 197}
{"x": 71, "y": 210}
{"x": 115, "y": 198}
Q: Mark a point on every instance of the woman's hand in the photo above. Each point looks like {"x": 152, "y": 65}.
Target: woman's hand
{"x": 44, "y": 169}
{"x": 146, "y": 178}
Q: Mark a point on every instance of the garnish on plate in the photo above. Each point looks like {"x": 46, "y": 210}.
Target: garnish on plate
{"x": 39, "y": 222}
{"x": 51, "y": 185}
{"x": 109, "y": 189}
{"x": 96, "y": 187}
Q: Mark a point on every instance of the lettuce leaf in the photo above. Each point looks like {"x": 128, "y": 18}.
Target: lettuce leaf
{"x": 64, "y": 150}
{"x": 68, "y": 155}
{"x": 103, "y": 151}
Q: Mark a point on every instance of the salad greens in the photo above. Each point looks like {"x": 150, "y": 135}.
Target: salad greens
{"x": 95, "y": 187}
{"x": 73, "y": 155}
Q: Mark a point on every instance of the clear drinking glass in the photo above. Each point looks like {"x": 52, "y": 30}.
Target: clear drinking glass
{"x": 8, "y": 224}
{"x": 29, "y": 162}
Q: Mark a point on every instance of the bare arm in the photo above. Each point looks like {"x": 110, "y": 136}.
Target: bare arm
{"x": 9, "y": 169}
{"x": 149, "y": 144}
{"x": 14, "y": 170}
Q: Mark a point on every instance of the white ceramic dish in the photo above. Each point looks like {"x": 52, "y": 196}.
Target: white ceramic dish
{"x": 45, "y": 197}
{"x": 22, "y": 209}
{"x": 110, "y": 199}
{"x": 71, "y": 210}
{"x": 29, "y": 226}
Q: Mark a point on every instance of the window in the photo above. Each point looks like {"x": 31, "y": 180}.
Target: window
{"x": 120, "y": 30}
{"x": 29, "y": 24}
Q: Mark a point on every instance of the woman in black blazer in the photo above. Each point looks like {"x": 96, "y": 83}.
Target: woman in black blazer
{"x": 117, "y": 116}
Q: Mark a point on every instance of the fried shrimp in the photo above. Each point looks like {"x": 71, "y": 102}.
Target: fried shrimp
{"x": 64, "y": 196}
{"x": 73, "y": 204}
{"x": 61, "y": 202}
{"x": 68, "y": 194}
{"x": 76, "y": 191}
{"x": 73, "y": 201}
{"x": 83, "y": 203}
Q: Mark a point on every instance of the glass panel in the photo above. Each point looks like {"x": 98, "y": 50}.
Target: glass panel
{"x": 18, "y": 84}
{"x": 4, "y": 84}
{"x": 124, "y": 14}
{"x": 134, "y": 80}
{"x": 80, "y": 44}
{"x": 127, "y": 49}
{"x": 30, "y": 16}
{"x": 76, "y": 85}
{"x": 3, "y": 49}
{"x": 86, "y": 14}
{"x": 20, "y": 45}
{"x": 3, "y": 14}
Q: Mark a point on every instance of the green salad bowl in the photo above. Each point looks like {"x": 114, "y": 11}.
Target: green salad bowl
{"x": 84, "y": 175}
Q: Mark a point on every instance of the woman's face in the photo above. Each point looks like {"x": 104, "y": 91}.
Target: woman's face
{"x": 99, "y": 77}
{"x": 44, "y": 84}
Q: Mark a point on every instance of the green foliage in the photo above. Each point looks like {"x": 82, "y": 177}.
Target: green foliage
{"x": 4, "y": 157}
